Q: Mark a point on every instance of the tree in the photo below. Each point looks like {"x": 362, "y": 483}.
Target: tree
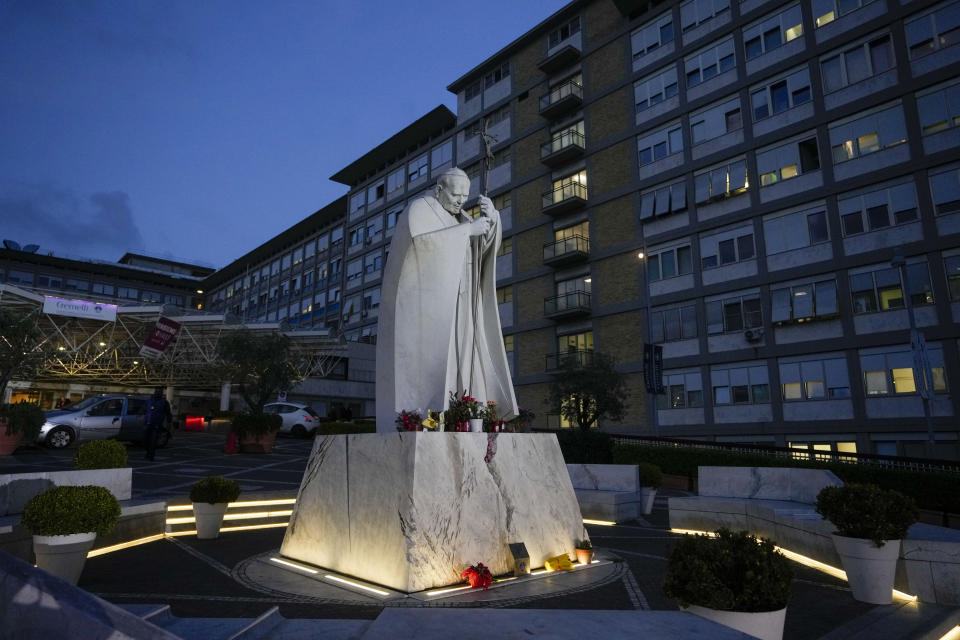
{"x": 588, "y": 392}
{"x": 22, "y": 347}
{"x": 258, "y": 363}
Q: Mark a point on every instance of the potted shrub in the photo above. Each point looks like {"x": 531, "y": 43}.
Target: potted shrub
{"x": 65, "y": 522}
{"x": 19, "y": 422}
{"x": 100, "y": 454}
{"x": 584, "y": 549}
{"x": 256, "y": 431}
{"x": 650, "y": 480}
{"x": 734, "y": 579}
{"x": 870, "y": 524}
{"x": 210, "y": 497}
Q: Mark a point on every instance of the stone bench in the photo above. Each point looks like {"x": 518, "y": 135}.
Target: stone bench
{"x": 778, "y": 503}
{"x": 607, "y": 491}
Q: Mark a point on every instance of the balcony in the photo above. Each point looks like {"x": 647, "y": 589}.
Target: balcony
{"x": 567, "y": 305}
{"x": 565, "y": 146}
{"x": 561, "y": 99}
{"x": 566, "y": 251}
{"x": 579, "y": 357}
{"x": 565, "y": 198}
{"x": 560, "y": 59}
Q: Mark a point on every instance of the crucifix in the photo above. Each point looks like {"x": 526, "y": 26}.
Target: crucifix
{"x": 488, "y": 141}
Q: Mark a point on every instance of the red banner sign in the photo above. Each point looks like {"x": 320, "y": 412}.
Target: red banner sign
{"x": 159, "y": 337}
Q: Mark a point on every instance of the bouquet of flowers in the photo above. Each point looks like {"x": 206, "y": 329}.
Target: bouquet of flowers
{"x": 461, "y": 409}
{"x": 492, "y": 422}
{"x": 478, "y": 576}
{"x": 409, "y": 420}
{"x": 472, "y": 406}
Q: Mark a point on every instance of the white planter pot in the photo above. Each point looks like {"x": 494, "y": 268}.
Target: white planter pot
{"x": 870, "y": 570}
{"x": 766, "y": 625}
{"x": 647, "y": 494}
{"x": 476, "y": 425}
{"x": 209, "y": 517}
{"x": 63, "y": 556}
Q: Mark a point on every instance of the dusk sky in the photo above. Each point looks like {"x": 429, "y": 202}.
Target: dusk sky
{"x": 196, "y": 130}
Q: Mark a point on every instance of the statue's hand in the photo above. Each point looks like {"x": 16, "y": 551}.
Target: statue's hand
{"x": 480, "y": 226}
{"x": 486, "y": 207}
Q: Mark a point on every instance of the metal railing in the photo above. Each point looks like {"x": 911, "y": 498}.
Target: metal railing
{"x": 559, "y": 92}
{"x": 564, "y": 192}
{"x": 566, "y": 246}
{"x": 575, "y": 301}
{"x": 561, "y": 141}
{"x": 579, "y": 357}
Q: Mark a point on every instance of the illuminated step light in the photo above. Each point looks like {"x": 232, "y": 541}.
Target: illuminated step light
{"x": 602, "y": 523}
{"x": 807, "y": 562}
{"x": 440, "y": 592}
{"x": 953, "y": 634}
{"x": 357, "y": 585}
{"x": 294, "y": 565}
{"x": 237, "y": 516}
{"x": 251, "y": 527}
{"x": 236, "y": 505}
{"x": 123, "y": 545}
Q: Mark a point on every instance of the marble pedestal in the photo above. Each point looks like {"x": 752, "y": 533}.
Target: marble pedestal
{"x": 411, "y": 510}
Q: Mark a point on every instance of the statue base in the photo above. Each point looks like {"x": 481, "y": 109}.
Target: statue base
{"x": 412, "y": 510}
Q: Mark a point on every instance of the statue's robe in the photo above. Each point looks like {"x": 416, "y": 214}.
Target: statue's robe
{"x": 439, "y": 328}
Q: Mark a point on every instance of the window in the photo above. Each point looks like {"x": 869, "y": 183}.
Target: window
{"x": 506, "y": 247}
{"x": 734, "y": 313}
{"x": 104, "y": 288}
{"x": 940, "y": 109}
{"x": 890, "y": 370}
{"x": 372, "y": 263}
{"x": 356, "y": 236}
{"x": 357, "y": 201}
{"x": 726, "y": 247}
{"x": 721, "y": 182}
{"x": 392, "y": 217}
{"x": 788, "y": 161}
{"x": 662, "y": 200}
{"x": 670, "y": 325}
{"x": 877, "y": 209}
{"x": 309, "y": 250}
{"x": 882, "y": 290}
{"x": 715, "y": 121}
{"x": 500, "y": 157}
{"x": 670, "y": 263}
{"x": 826, "y": 11}
{"x": 952, "y": 266}
{"x": 565, "y": 137}
{"x": 417, "y": 168}
{"x": 740, "y": 385}
{"x": 441, "y": 155}
{"x": 51, "y": 282}
{"x": 297, "y": 259}
{"x": 323, "y": 243}
{"x": 575, "y": 342}
{"x": 945, "y": 190}
{"x": 500, "y": 115}
{"x": 771, "y": 33}
{"x": 868, "y": 134}
{"x": 504, "y": 294}
{"x": 571, "y": 186}
{"x": 803, "y": 302}
{"x": 683, "y": 390}
{"x": 395, "y": 180}
{"x": 780, "y": 94}
{"x": 371, "y": 299}
{"x": 473, "y": 91}
{"x": 128, "y": 292}
{"x": 374, "y": 227}
{"x": 563, "y": 32}
{"x": 495, "y": 76}
{"x": 336, "y": 237}
{"x": 933, "y": 31}
{"x": 354, "y": 269}
{"x": 652, "y": 35}
{"x": 508, "y": 343}
{"x": 502, "y": 201}
{"x": 660, "y": 144}
{"x": 696, "y": 12}
{"x": 376, "y": 191}
{"x": 709, "y": 63}
{"x": 655, "y": 89}
{"x": 814, "y": 378}
{"x": 857, "y": 63}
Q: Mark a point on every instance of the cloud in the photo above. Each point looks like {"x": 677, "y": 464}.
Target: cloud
{"x": 100, "y": 225}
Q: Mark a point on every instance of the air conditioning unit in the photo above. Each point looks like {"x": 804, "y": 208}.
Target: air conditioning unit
{"x": 754, "y": 335}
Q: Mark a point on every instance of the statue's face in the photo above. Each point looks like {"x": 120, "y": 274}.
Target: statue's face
{"x": 452, "y": 193}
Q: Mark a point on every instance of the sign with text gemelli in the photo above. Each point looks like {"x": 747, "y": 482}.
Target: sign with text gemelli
{"x": 80, "y": 308}
{"x": 159, "y": 337}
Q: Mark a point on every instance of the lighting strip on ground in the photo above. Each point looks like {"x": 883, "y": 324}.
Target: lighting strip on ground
{"x": 357, "y": 585}
{"x": 807, "y": 562}
{"x": 251, "y": 527}
{"x": 953, "y": 634}
{"x": 602, "y": 523}
{"x": 440, "y": 592}
{"x": 294, "y": 565}
{"x": 123, "y": 545}
{"x": 240, "y": 504}
{"x": 237, "y": 516}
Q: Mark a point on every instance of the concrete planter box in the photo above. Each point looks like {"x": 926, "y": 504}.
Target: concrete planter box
{"x": 766, "y": 625}
{"x": 870, "y": 569}
{"x": 16, "y": 489}
{"x": 63, "y": 556}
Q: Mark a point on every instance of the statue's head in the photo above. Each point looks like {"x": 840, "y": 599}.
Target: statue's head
{"x": 453, "y": 189}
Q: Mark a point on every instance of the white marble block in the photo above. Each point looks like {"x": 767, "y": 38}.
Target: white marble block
{"x": 411, "y": 510}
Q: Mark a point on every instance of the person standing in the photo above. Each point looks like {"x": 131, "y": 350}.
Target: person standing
{"x": 158, "y": 412}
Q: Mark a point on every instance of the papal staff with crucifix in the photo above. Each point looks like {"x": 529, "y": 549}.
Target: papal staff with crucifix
{"x": 439, "y": 328}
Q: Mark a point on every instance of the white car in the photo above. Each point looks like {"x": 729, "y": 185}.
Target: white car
{"x": 299, "y": 420}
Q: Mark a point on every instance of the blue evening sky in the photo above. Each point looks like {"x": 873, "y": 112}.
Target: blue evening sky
{"x": 197, "y": 129}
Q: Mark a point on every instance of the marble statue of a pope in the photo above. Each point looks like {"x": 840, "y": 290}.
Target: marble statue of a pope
{"x": 439, "y": 329}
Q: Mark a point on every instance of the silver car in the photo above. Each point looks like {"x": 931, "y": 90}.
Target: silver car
{"x": 299, "y": 420}
{"x": 97, "y": 418}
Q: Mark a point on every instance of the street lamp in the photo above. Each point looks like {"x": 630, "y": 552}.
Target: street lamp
{"x": 923, "y": 376}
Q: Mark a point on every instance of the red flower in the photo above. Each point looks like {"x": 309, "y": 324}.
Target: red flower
{"x": 478, "y": 576}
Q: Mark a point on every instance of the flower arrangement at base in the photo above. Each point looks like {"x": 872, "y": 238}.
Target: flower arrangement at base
{"x": 478, "y": 576}
{"x": 460, "y": 410}
{"x": 409, "y": 420}
{"x": 492, "y": 422}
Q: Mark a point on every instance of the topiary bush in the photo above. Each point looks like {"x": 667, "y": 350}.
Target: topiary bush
{"x": 867, "y": 511}
{"x": 215, "y": 490}
{"x": 25, "y": 418}
{"x": 585, "y": 447}
{"x": 650, "y": 475}
{"x": 358, "y": 426}
{"x": 64, "y": 511}
{"x": 100, "y": 454}
{"x": 732, "y": 572}
{"x": 255, "y": 424}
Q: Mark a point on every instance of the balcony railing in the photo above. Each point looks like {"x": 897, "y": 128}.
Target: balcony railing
{"x": 561, "y": 99}
{"x": 565, "y": 198}
{"x": 574, "y": 303}
{"x": 560, "y": 59}
{"x": 564, "y": 147}
{"x": 572, "y": 249}
{"x": 579, "y": 357}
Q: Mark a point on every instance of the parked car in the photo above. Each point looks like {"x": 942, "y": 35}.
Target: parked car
{"x": 97, "y": 418}
{"x": 299, "y": 420}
